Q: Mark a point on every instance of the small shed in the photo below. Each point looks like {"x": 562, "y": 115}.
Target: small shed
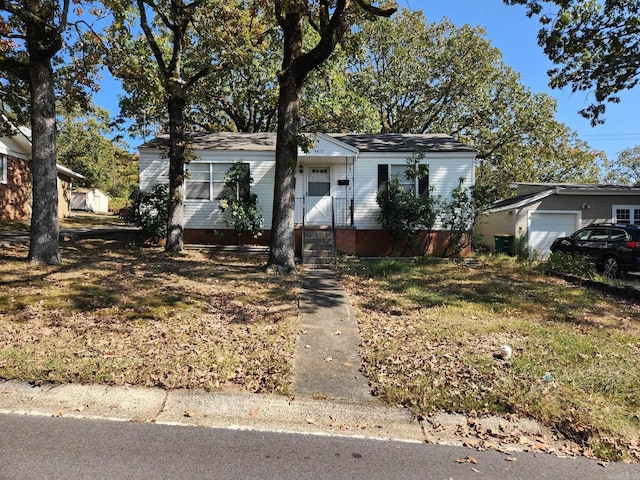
{"x": 90, "y": 200}
{"x": 542, "y": 212}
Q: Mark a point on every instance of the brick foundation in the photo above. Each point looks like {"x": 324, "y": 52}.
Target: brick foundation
{"x": 366, "y": 243}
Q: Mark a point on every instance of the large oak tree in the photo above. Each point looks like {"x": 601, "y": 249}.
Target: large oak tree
{"x": 331, "y": 20}
{"x": 33, "y": 36}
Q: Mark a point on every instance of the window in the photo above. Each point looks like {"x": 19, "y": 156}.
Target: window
{"x": 400, "y": 172}
{"x": 386, "y": 172}
{"x": 623, "y": 216}
{"x": 205, "y": 181}
{"x": 599, "y": 234}
{"x": 626, "y": 214}
{"x": 582, "y": 234}
{"x": 319, "y": 182}
{"x": 3, "y": 168}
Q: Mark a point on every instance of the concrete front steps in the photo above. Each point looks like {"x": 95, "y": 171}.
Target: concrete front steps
{"x": 318, "y": 248}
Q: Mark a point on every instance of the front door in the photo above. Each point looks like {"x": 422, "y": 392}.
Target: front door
{"x": 318, "y": 204}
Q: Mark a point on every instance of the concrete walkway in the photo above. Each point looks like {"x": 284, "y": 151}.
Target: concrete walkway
{"x": 327, "y": 358}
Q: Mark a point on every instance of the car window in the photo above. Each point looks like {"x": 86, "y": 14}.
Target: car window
{"x": 618, "y": 235}
{"x": 599, "y": 234}
{"x": 582, "y": 234}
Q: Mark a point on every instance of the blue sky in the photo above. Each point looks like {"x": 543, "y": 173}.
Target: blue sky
{"x": 509, "y": 29}
{"x": 515, "y": 35}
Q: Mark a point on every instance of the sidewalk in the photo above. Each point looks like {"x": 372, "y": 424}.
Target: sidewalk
{"x": 327, "y": 358}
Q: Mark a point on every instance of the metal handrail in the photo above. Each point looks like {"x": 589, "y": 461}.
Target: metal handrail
{"x": 302, "y": 239}
{"x": 333, "y": 228}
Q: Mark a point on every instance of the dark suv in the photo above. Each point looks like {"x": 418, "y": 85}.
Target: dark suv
{"x": 613, "y": 248}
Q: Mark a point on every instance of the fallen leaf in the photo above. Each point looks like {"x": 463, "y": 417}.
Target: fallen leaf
{"x": 328, "y": 359}
{"x": 59, "y": 413}
{"x": 467, "y": 460}
{"x": 511, "y": 459}
{"x": 311, "y": 421}
{"x": 255, "y": 413}
{"x": 337, "y": 332}
{"x": 189, "y": 413}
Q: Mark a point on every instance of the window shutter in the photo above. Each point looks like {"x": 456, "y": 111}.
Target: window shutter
{"x": 423, "y": 186}
{"x": 383, "y": 177}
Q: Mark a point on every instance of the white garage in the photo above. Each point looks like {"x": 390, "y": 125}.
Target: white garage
{"x": 546, "y": 226}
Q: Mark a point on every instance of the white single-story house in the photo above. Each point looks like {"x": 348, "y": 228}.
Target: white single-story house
{"x": 336, "y": 180}
{"x": 15, "y": 178}
{"x": 90, "y": 200}
{"x": 542, "y": 212}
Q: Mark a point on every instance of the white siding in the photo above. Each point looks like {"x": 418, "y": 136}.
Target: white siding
{"x": 154, "y": 169}
{"x": 205, "y": 214}
{"x": 445, "y": 169}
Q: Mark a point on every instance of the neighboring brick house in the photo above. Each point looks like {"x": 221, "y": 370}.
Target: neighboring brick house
{"x": 15, "y": 179}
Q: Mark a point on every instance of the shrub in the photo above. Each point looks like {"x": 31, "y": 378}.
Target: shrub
{"x": 405, "y": 214}
{"x": 240, "y": 203}
{"x": 460, "y": 215}
{"x": 149, "y": 211}
{"x": 572, "y": 264}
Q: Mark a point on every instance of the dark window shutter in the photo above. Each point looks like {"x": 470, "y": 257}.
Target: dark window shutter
{"x": 383, "y": 177}
{"x": 423, "y": 186}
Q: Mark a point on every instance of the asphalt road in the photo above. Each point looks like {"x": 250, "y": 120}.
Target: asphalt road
{"x": 35, "y": 448}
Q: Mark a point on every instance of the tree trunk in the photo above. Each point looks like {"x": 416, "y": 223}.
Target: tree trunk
{"x": 282, "y": 246}
{"x": 177, "y": 157}
{"x": 44, "y": 247}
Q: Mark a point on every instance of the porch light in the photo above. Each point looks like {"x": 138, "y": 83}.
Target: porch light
{"x": 301, "y": 169}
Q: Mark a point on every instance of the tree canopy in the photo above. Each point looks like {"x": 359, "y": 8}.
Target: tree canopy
{"x": 595, "y": 45}
{"x": 85, "y": 146}
{"x": 414, "y": 76}
{"x": 625, "y": 170}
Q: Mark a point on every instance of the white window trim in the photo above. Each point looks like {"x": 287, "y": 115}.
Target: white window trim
{"x": 3, "y": 173}
{"x": 631, "y": 208}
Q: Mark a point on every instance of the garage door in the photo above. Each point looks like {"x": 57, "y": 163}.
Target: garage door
{"x": 545, "y": 227}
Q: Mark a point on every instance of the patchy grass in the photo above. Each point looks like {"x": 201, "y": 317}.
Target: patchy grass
{"x": 129, "y": 316}
{"x": 431, "y": 330}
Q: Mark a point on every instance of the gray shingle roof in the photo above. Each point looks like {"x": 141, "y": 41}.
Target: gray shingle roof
{"x": 390, "y": 142}
{"x": 396, "y": 142}
{"x": 222, "y": 141}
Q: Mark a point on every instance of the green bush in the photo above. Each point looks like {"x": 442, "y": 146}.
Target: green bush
{"x": 240, "y": 203}
{"x": 571, "y": 264}
{"x": 149, "y": 211}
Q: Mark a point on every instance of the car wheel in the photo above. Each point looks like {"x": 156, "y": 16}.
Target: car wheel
{"x": 611, "y": 267}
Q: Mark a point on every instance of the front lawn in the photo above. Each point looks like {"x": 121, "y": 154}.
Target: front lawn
{"x": 122, "y": 315}
{"x": 117, "y": 314}
{"x": 431, "y": 331}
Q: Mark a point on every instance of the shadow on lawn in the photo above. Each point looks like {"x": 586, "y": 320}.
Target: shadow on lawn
{"x": 502, "y": 288}
{"x": 148, "y": 284}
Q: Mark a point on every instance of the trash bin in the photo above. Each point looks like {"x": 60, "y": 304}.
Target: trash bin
{"x": 504, "y": 244}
